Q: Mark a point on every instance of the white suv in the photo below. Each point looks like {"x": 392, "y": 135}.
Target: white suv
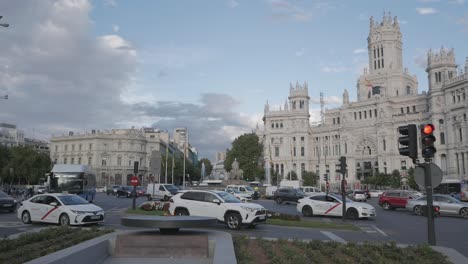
{"x": 221, "y": 205}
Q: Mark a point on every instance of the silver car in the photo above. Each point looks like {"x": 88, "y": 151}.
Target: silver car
{"x": 448, "y": 205}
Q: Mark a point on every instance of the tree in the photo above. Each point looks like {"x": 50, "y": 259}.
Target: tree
{"x": 248, "y": 152}
{"x": 395, "y": 179}
{"x": 23, "y": 165}
{"x": 292, "y": 175}
{"x": 411, "y": 181}
{"x": 208, "y": 166}
{"x": 273, "y": 177}
{"x": 309, "y": 178}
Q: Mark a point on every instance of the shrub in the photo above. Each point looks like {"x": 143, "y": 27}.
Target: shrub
{"x": 274, "y": 215}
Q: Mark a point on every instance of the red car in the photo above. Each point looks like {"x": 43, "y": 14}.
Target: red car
{"x": 394, "y": 199}
{"x": 140, "y": 191}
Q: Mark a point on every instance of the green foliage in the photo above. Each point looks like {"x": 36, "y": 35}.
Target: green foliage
{"x": 292, "y": 175}
{"x": 411, "y": 181}
{"x": 208, "y": 166}
{"x": 395, "y": 179}
{"x": 34, "y": 245}
{"x": 309, "y": 178}
{"x": 23, "y": 165}
{"x": 273, "y": 176}
{"x": 248, "y": 152}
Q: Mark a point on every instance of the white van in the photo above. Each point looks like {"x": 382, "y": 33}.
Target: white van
{"x": 270, "y": 191}
{"x": 309, "y": 190}
{"x": 242, "y": 188}
{"x": 160, "y": 191}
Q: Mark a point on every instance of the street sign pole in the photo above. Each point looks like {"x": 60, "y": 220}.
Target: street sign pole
{"x": 343, "y": 195}
{"x": 134, "y": 196}
{"x": 429, "y": 209}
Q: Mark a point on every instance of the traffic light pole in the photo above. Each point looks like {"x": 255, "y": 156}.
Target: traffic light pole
{"x": 431, "y": 238}
{"x": 343, "y": 195}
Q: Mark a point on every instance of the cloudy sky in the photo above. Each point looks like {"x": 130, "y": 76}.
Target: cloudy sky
{"x": 208, "y": 65}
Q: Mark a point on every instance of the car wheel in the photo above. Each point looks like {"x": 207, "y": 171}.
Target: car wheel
{"x": 352, "y": 213}
{"x": 464, "y": 212}
{"x": 386, "y": 206}
{"x": 182, "y": 211}
{"x": 26, "y": 217}
{"x": 307, "y": 211}
{"x": 148, "y": 197}
{"x": 233, "y": 221}
{"x": 279, "y": 200}
{"x": 417, "y": 210}
{"x": 64, "y": 220}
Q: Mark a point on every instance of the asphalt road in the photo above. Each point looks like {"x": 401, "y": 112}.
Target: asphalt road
{"x": 399, "y": 225}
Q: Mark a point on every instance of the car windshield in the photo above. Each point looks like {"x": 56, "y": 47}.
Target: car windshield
{"x": 116, "y": 186}
{"x": 72, "y": 200}
{"x": 128, "y": 188}
{"x": 171, "y": 187}
{"x": 250, "y": 189}
{"x": 228, "y": 198}
{"x": 299, "y": 191}
{"x": 2, "y": 194}
{"x": 140, "y": 188}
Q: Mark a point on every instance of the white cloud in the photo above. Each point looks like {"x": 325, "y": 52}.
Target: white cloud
{"x": 359, "y": 51}
{"x": 232, "y": 3}
{"x": 335, "y": 69}
{"x": 420, "y": 58}
{"x": 116, "y": 28}
{"x": 459, "y": 2}
{"x": 300, "y": 53}
{"x": 110, "y": 2}
{"x": 66, "y": 78}
{"x": 285, "y": 10}
{"x": 426, "y": 10}
{"x": 464, "y": 23}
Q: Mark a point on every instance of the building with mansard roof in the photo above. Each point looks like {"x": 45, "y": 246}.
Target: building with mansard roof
{"x": 366, "y": 131}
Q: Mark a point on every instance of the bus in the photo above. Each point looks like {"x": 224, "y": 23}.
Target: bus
{"x": 74, "y": 179}
{"x": 454, "y": 187}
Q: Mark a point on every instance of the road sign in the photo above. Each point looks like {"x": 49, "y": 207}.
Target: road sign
{"x": 134, "y": 181}
{"x": 436, "y": 176}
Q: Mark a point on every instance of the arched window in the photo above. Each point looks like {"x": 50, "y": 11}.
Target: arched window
{"x": 442, "y": 138}
{"x": 408, "y": 90}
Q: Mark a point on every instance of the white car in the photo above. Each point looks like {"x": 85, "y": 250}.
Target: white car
{"x": 375, "y": 193}
{"x": 218, "y": 204}
{"x": 63, "y": 209}
{"x": 244, "y": 197}
{"x": 309, "y": 190}
{"x": 332, "y": 205}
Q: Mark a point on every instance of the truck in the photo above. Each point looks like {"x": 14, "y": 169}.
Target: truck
{"x": 291, "y": 183}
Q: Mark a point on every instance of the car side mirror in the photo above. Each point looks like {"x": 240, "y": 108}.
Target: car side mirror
{"x": 217, "y": 201}
{"x": 54, "y": 204}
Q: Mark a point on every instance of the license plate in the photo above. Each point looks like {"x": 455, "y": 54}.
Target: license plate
{"x": 7, "y": 205}
{"x": 95, "y": 217}
{"x": 262, "y": 217}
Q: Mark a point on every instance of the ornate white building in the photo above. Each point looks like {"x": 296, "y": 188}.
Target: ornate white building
{"x": 366, "y": 131}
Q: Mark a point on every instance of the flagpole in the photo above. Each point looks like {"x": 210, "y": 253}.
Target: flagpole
{"x": 167, "y": 154}
{"x": 185, "y": 153}
{"x": 172, "y": 168}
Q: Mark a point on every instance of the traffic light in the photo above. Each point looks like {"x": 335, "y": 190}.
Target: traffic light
{"x": 338, "y": 167}
{"x": 135, "y": 167}
{"x": 408, "y": 141}
{"x": 343, "y": 165}
{"x": 325, "y": 177}
{"x": 427, "y": 140}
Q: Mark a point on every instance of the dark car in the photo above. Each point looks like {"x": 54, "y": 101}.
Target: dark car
{"x": 7, "y": 202}
{"x": 140, "y": 191}
{"x": 288, "y": 195}
{"x": 125, "y": 191}
{"x": 112, "y": 190}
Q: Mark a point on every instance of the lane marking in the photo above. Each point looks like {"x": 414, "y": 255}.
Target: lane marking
{"x": 333, "y": 236}
{"x": 111, "y": 209}
{"x": 379, "y": 230}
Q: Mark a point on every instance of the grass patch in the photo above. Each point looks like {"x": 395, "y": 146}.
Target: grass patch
{"x": 34, "y": 245}
{"x": 297, "y": 252}
{"x": 143, "y": 212}
{"x": 312, "y": 224}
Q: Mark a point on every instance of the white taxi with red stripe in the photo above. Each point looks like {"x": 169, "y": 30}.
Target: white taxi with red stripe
{"x": 63, "y": 209}
{"x": 332, "y": 205}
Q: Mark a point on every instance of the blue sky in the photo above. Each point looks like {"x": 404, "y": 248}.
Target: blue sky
{"x": 206, "y": 65}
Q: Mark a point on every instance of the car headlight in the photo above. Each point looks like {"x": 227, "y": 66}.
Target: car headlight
{"x": 248, "y": 209}
{"x": 15, "y": 201}
{"x": 100, "y": 212}
{"x": 78, "y": 212}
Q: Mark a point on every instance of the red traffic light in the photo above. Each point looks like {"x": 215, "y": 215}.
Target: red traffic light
{"x": 428, "y": 129}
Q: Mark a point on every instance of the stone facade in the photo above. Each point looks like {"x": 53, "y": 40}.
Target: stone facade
{"x": 366, "y": 131}
{"x": 111, "y": 154}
